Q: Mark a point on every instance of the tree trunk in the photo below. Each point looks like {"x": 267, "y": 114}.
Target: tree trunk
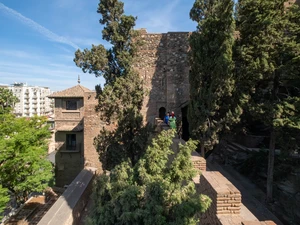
{"x": 202, "y": 150}
{"x": 271, "y": 167}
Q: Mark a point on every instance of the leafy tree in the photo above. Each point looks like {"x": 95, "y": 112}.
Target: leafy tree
{"x": 268, "y": 50}
{"x": 158, "y": 190}
{"x": 23, "y": 148}
{"x": 212, "y": 84}
{"x": 4, "y": 198}
{"x": 7, "y": 100}
{"x": 122, "y": 95}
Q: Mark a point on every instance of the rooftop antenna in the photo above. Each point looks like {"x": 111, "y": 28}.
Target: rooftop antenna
{"x": 78, "y": 79}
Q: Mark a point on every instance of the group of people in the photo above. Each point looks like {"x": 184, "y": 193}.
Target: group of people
{"x": 170, "y": 119}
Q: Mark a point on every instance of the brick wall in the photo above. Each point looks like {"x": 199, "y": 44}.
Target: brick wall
{"x": 92, "y": 126}
{"x": 62, "y": 114}
{"x": 198, "y": 161}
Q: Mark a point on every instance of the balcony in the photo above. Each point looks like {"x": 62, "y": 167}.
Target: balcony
{"x": 69, "y": 149}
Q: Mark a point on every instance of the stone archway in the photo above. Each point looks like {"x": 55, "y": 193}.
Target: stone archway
{"x": 162, "y": 112}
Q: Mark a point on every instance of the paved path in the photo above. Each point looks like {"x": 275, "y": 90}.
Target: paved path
{"x": 252, "y": 197}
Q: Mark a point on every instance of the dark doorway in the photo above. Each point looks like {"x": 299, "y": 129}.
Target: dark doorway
{"x": 162, "y": 112}
{"x": 185, "y": 124}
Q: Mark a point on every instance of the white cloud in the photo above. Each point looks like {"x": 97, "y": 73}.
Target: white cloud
{"x": 17, "y": 53}
{"x": 39, "y": 28}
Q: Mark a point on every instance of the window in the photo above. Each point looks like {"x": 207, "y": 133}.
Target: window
{"x": 71, "y": 105}
{"x": 71, "y": 142}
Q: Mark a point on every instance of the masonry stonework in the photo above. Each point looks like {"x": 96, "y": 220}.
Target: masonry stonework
{"x": 81, "y": 124}
{"x": 92, "y": 126}
{"x": 162, "y": 63}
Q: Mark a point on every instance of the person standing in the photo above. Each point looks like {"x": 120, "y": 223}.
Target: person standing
{"x": 172, "y": 121}
{"x": 166, "y": 119}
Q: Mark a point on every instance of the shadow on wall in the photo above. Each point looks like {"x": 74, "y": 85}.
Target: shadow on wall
{"x": 163, "y": 65}
{"x": 69, "y": 157}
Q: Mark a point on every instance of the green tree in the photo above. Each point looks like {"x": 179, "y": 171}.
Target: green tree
{"x": 4, "y": 198}
{"x": 211, "y": 108}
{"x": 268, "y": 54}
{"x": 122, "y": 95}
{"x": 7, "y": 100}
{"x": 23, "y": 149}
{"x": 158, "y": 190}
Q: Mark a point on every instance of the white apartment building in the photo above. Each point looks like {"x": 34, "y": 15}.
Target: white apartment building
{"x": 33, "y": 100}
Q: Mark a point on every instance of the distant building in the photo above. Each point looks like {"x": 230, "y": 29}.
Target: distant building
{"x": 33, "y": 100}
{"x": 76, "y": 124}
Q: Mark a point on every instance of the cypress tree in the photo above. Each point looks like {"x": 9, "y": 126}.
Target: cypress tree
{"x": 122, "y": 95}
{"x": 268, "y": 54}
{"x": 211, "y": 76}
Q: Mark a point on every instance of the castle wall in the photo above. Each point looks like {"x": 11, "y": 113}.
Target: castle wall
{"x": 162, "y": 63}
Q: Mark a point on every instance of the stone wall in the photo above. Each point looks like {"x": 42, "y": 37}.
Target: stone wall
{"x": 225, "y": 196}
{"x": 62, "y": 114}
{"x": 92, "y": 126}
{"x": 68, "y": 209}
{"x": 198, "y": 162}
{"x": 162, "y": 63}
{"x": 226, "y": 207}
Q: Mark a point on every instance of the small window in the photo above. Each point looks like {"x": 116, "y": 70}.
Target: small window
{"x": 71, "y": 105}
{"x": 71, "y": 141}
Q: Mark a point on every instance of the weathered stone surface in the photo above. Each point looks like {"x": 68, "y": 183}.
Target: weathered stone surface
{"x": 163, "y": 65}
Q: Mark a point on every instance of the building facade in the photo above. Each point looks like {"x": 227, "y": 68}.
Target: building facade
{"x": 33, "y": 100}
{"x": 76, "y": 125}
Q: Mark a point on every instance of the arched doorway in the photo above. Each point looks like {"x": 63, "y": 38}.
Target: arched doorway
{"x": 162, "y": 112}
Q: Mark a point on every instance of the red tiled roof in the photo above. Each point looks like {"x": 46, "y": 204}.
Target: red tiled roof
{"x": 76, "y": 91}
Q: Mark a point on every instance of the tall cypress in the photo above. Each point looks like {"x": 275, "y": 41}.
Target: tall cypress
{"x": 122, "y": 95}
{"x": 211, "y": 75}
{"x": 268, "y": 54}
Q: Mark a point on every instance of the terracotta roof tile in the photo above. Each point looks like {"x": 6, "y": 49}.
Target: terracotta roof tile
{"x": 76, "y": 91}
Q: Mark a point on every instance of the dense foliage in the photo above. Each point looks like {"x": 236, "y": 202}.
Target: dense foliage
{"x": 4, "y": 198}
{"x": 122, "y": 96}
{"x": 268, "y": 55}
{"x": 158, "y": 190}
{"x": 23, "y": 148}
{"x": 212, "y": 83}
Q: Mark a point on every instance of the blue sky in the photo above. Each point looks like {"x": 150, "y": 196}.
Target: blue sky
{"x": 38, "y": 38}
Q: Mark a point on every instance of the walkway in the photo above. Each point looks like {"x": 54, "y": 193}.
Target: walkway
{"x": 252, "y": 197}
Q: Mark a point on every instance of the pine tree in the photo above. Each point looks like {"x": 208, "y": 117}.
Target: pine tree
{"x": 211, "y": 79}
{"x": 158, "y": 190}
{"x": 269, "y": 63}
{"x": 122, "y": 96}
